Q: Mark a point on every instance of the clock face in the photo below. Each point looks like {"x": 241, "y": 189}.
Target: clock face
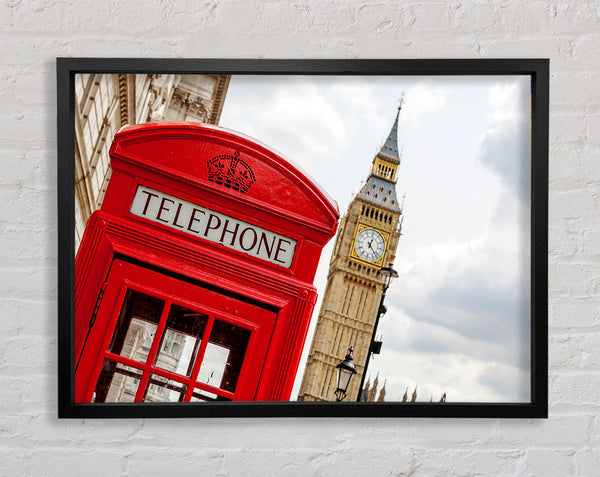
{"x": 370, "y": 245}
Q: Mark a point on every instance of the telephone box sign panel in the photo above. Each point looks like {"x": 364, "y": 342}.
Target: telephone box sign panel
{"x": 216, "y": 227}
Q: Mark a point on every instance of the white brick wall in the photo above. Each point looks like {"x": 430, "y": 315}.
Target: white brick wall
{"x": 33, "y": 442}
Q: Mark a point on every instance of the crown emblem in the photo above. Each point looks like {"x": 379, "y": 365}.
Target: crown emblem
{"x": 230, "y": 171}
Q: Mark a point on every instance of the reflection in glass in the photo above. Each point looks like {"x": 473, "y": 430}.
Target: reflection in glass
{"x": 181, "y": 340}
{"x": 160, "y": 389}
{"x": 117, "y": 383}
{"x": 179, "y": 347}
{"x": 213, "y": 365}
{"x": 224, "y": 355}
{"x": 136, "y": 326}
{"x": 200, "y": 395}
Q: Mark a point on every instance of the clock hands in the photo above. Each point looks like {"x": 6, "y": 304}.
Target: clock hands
{"x": 370, "y": 246}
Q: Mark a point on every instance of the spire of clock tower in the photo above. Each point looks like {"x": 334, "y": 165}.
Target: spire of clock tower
{"x": 380, "y": 187}
{"x": 389, "y": 150}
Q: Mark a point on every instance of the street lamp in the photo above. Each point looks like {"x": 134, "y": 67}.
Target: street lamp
{"x": 346, "y": 370}
{"x": 375, "y": 346}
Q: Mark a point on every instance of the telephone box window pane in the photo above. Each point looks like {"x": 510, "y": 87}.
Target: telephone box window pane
{"x": 200, "y": 395}
{"x": 213, "y": 365}
{"x": 161, "y": 389}
{"x": 224, "y": 355}
{"x": 117, "y": 383}
{"x": 181, "y": 340}
{"x": 136, "y": 326}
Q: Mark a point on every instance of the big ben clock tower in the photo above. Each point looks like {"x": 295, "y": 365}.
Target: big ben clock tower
{"x": 367, "y": 241}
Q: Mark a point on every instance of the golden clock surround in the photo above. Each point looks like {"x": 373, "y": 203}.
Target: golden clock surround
{"x": 360, "y": 227}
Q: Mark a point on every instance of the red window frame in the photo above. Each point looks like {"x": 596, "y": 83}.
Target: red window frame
{"x": 124, "y": 276}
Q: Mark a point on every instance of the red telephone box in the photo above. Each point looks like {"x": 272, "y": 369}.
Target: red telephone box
{"x": 193, "y": 282}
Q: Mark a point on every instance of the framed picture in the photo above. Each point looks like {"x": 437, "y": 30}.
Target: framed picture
{"x": 271, "y": 238}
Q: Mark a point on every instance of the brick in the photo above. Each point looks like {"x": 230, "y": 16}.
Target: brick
{"x": 28, "y": 354}
{"x": 585, "y": 49}
{"x": 574, "y": 279}
{"x": 572, "y": 17}
{"x": 576, "y": 351}
{"x": 320, "y": 461}
{"x": 591, "y": 242}
{"x": 15, "y": 461}
{"x": 21, "y": 395}
{"x": 157, "y": 461}
{"x": 548, "y": 462}
{"x": 91, "y": 462}
{"x": 574, "y": 430}
{"x": 430, "y": 16}
{"x": 595, "y": 431}
{"x": 587, "y": 461}
{"x": 586, "y": 97}
{"x": 557, "y": 48}
{"x": 23, "y": 245}
{"x": 27, "y": 88}
{"x": 573, "y": 313}
{"x": 573, "y": 166}
{"x": 473, "y": 16}
{"x": 19, "y": 167}
{"x": 101, "y": 432}
{"x": 26, "y": 315}
{"x": 27, "y": 283}
{"x": 569, "y": 127}
{"x": 576, "y": 388}
{"x": 564, "y": 241}
{"x": 573, "y": 204}
{"x": 268, "y": 17}
{"x": 45, "y": 15}
{"x": 23, "y": 206}
{"x": 21, "y": 129}
{"x": 381, "y": 17}
{"x": 469, "y": 462}
{"x": 332, "y": 16}
{"x": 593, "y": 130}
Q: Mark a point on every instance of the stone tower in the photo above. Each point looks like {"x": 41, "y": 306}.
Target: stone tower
{"x": 367, "y": 240}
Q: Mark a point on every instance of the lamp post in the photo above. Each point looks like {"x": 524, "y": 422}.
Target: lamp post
{"x": 346, "y": 370}
{"x": 375, "y": 346}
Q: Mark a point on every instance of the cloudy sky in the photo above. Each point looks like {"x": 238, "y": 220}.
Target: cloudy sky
{"x": 458, "y": 314}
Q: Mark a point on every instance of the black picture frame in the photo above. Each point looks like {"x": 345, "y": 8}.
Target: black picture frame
{"x": 538, "y": 69}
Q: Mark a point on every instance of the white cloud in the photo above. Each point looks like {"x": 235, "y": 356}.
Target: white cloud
{"x": 356, "y": 92}
{"x": 420, "y": 100}
{"x": 504, "y": 102}
{"x": 462, "y": 377}
{"x": 504, "y": 147}
{"x": 291, "y": 116}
